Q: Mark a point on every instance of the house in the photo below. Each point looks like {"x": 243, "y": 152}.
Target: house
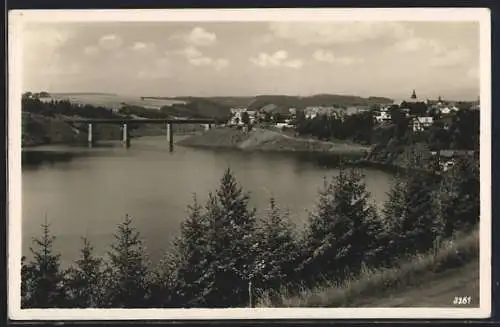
{"x": 236, "y": 116}
{"x": 314, "y": 111}
{"x": 284, "y": 125}
{"x": 355, "y": 110}
{"x": 382, "y": 116}
{"x": 421, "y": 123}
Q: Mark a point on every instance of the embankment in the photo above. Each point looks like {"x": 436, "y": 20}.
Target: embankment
{"x": 260, "y": 139}
{"x": 432, "y": 280}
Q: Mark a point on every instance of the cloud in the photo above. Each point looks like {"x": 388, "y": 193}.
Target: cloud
{"x": 200, "y": 37}
{"x": 295, "y": 63}
{"x": 417, "y": 43}
{"x": 279, "y": 58}
{"x": 327, "y": 33}
{"x": 143, "y": 47}
{"x": 450, "y": 58}
{"x": 196, "y": 58}
{"x": 328, "y": 57}
{"x": 110, "y": 41}
{"x": 91, "y": 51}
{"x": 191, "y": 52}
{"x": 46, "y": 37}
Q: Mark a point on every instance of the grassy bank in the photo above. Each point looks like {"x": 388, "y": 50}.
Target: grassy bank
{"x": 267, "y": 140}
{"x": 411, "y": 276}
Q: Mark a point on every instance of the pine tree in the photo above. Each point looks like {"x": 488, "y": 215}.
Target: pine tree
{"x": 410, "y": 215}
{"x": 277, "y": 251}
{"x": 43, "y": 277}
{"x": 231, "y": 239}
{"x": 128, "y": 268}
{"x": 190, "y": 258}
{"x": 165, "y": 286}
{"x": 341, "y": 233}
{"x": 460, "y": 196}
{"x": 86, "y": 279}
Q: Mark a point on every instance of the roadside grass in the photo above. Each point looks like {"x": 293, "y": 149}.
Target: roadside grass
{"x": 454, "y": 253}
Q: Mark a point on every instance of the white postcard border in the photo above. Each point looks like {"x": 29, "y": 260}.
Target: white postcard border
{"x": 17, "y": 18}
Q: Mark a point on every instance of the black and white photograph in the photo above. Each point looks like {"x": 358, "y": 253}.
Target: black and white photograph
{"x": 249, "y": 164}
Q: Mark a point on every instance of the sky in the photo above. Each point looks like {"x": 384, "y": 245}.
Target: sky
{"x": 250, "y": 58}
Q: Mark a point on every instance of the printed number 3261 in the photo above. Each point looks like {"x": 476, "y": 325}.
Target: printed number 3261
{"x": 462, "y": 300}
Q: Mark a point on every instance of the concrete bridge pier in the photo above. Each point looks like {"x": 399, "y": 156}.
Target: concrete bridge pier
{"x": 90, "y": 135}
{"x": 170, "y": 137}
{"x": 126, "y": 136}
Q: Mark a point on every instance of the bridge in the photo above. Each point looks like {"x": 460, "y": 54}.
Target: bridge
{"x": 125, "y": 122}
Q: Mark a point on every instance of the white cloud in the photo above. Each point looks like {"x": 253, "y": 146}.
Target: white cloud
{"x": 196, "y": 58}
{"x": 143, "y": 47}
{"x": 110, "y": 41}
{"x": 200, "y": 37}
{"x": 417, "y": 43}
{"x": 46, "y": 37}
{"x": 91, "y": 51}
{"x": 295, "y": 63}
{"x": 450, "y": 58}
{"x": 326, "y": 33}
{"x": 328, "y": 57}
{"x": 191, "y": 52}
{"x": 279, "y": 58}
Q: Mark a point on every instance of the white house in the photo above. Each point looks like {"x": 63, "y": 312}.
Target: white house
{"x": 421, "y": 123}
{"x": 382, "y": 116}
{"x": 237, "y": 116}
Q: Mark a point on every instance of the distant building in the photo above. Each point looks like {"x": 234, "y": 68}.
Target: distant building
{"x": 312, "y": 112}
{"x": 421, "y": 123}
{"x": 382, "y": 116}
{"x": 413, "y": 99}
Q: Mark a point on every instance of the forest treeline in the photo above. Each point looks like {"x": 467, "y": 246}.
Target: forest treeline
{"x": 227, "y": 256}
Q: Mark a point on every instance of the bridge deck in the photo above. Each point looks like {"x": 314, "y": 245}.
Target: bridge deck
{"x": 144, "y": 121}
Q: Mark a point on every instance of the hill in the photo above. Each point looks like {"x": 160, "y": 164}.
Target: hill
{"x": 283, "y": 102}
{"x": 219, "y": 106}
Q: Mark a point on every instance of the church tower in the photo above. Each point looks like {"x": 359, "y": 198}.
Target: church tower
{"x": 413, "y": 95}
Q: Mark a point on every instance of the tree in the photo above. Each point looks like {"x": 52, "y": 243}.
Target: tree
{"x": 189, "y": 257}
{"x": 340, "y": 237}
{"x": 459, "y": 196}
{"x": 231, "y": 238}
{"x": 128, "y": 268}
{"x": 277, "y": 251}
{"x": 43, "y": 286}
{"x": 245, "y": 118}
{"x": 86, "y": 280}
{"x": 410, "y": 216}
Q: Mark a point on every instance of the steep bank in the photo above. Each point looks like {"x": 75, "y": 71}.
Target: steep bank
{"x": 261, "y": 139}
{"x": 428, "y": 281}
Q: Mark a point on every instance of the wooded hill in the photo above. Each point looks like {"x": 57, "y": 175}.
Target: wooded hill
{"x": 219, "y": 106}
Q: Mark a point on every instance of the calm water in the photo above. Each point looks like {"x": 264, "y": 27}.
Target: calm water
{"x": 91, "y": 193}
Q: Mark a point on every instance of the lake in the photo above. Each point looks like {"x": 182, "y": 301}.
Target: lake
{"x": 87, "y": 192}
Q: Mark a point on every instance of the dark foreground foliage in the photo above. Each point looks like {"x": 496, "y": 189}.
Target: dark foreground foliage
{"x": 225, "y": 256}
